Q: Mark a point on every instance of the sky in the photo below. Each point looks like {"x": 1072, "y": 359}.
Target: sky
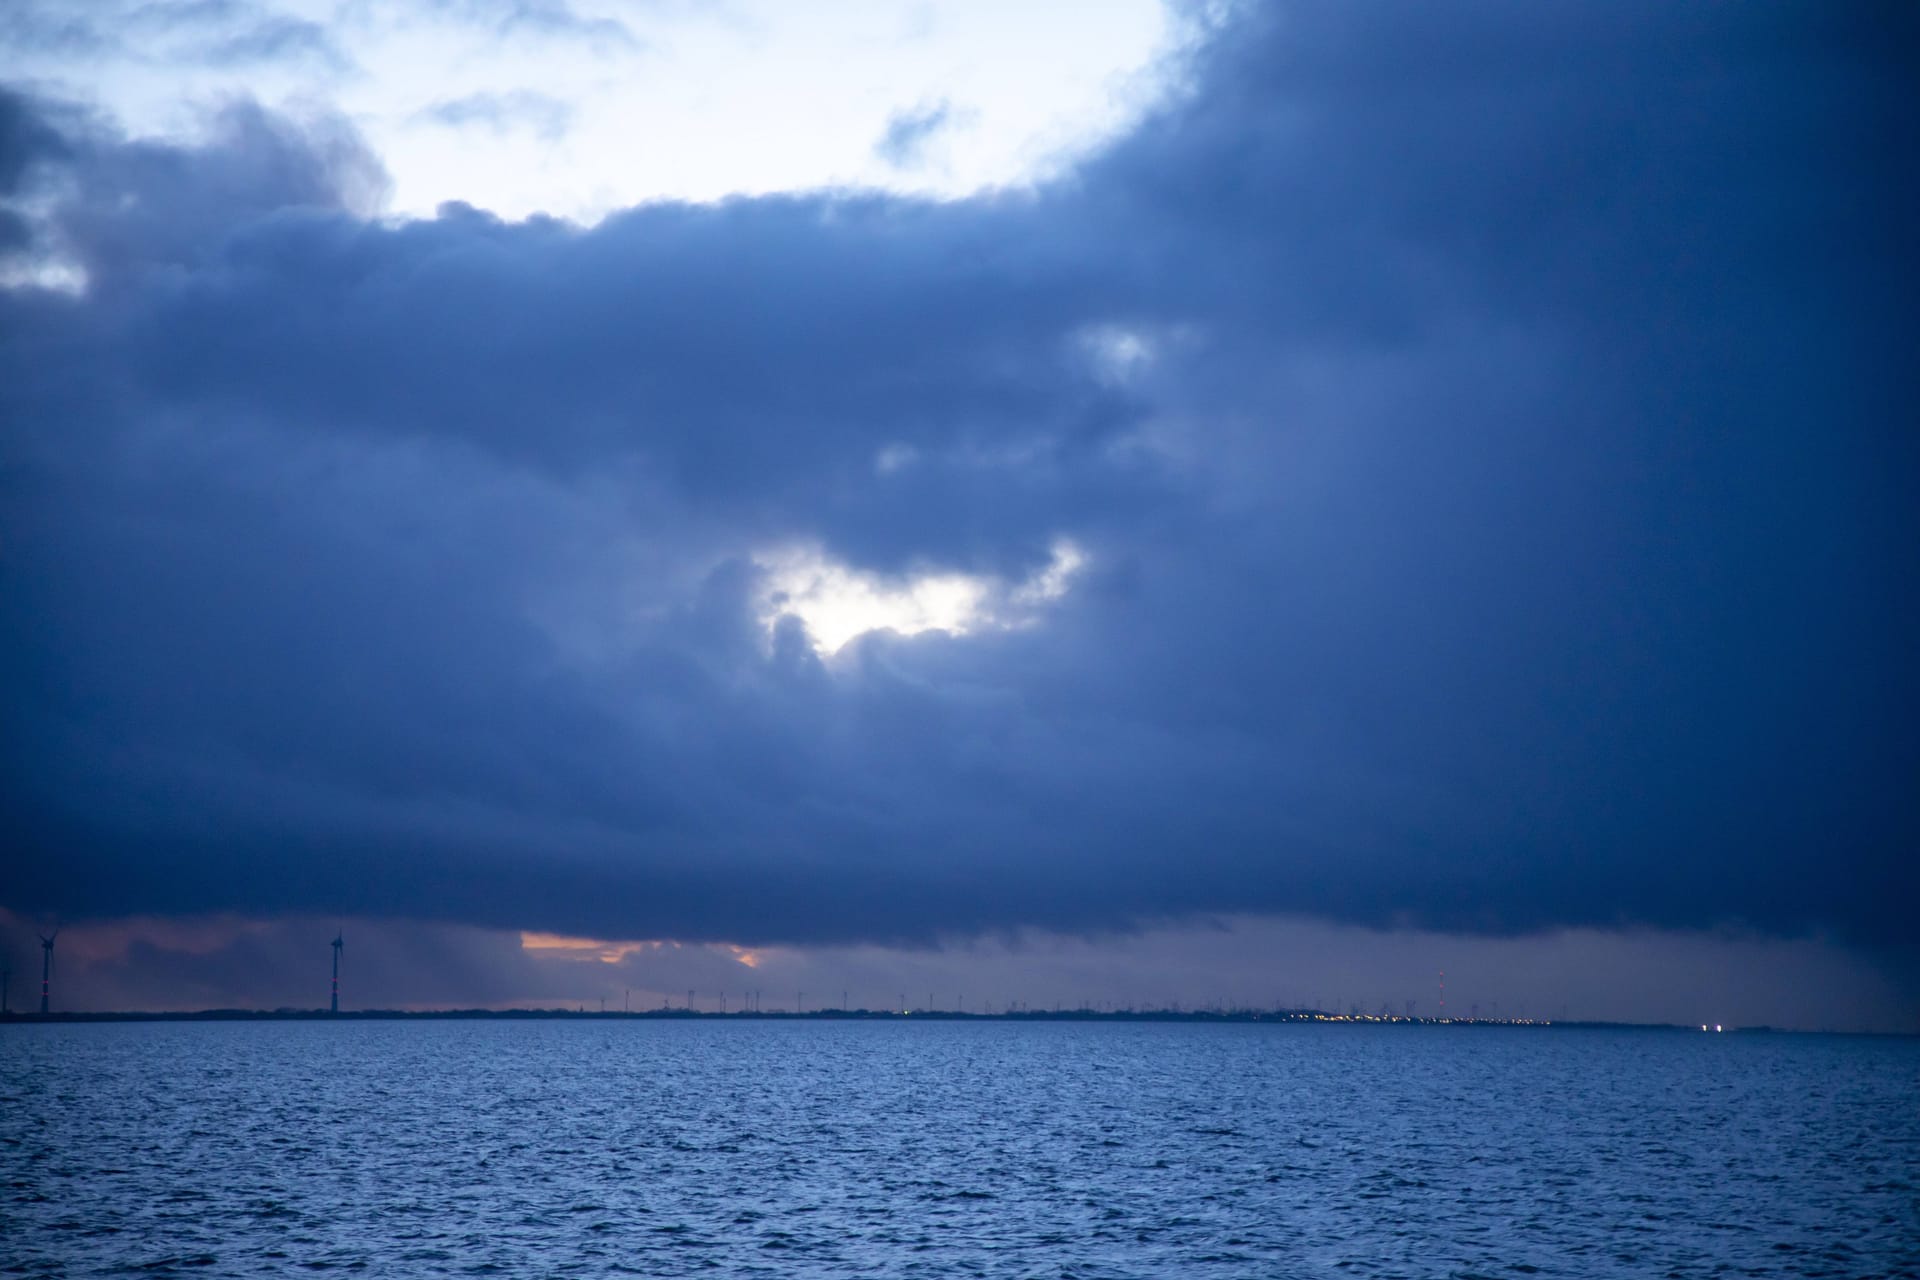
{"x": 1088, "y": 503}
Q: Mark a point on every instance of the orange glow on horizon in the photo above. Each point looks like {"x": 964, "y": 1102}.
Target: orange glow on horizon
{"x": 559, "y": 946}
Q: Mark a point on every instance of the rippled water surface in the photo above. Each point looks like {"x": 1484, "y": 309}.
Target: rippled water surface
{"x": 950, "y": 1149}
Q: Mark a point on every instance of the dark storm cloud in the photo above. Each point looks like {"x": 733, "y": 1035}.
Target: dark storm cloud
{"x": 26, "y": 140}
{"x": 1489, "y": 430}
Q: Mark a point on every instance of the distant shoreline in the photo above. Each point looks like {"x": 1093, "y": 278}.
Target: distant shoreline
{"x": 1290, "y": 1017}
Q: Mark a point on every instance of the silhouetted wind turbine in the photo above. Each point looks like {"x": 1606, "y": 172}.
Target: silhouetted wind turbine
{"x": 339, "y": 941}
{"x": 46, "y": 966}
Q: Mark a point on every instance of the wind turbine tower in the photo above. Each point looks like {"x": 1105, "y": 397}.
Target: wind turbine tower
{"x": 339, "y": 941}
{"x": 46, "y": 966}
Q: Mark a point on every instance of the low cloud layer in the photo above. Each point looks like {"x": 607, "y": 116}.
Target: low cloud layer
{"x": 196, "y": 963}
{"x": 1485, "y": 432}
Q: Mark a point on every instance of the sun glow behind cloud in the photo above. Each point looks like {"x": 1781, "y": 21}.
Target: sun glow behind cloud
{"x": 555, "y": 946}
{"x": 838, "y": 603}
{"x": 594, "y": 105}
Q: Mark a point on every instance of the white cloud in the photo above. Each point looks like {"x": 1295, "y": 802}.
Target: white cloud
{"x": 695, "y": 102}
{"x": 838, "y": 603}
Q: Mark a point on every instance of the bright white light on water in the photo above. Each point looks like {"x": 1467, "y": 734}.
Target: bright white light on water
{"x": 838, "y": 603}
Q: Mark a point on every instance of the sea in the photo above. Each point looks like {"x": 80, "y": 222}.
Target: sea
{"x": 919, "y": 1148}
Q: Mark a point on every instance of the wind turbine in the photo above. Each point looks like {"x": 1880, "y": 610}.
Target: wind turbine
{"x": 339, "y": 941}
{"x": 46, "y": 966}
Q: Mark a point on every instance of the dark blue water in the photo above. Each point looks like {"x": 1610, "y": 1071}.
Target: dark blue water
{"x": 943, "y": 1149}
